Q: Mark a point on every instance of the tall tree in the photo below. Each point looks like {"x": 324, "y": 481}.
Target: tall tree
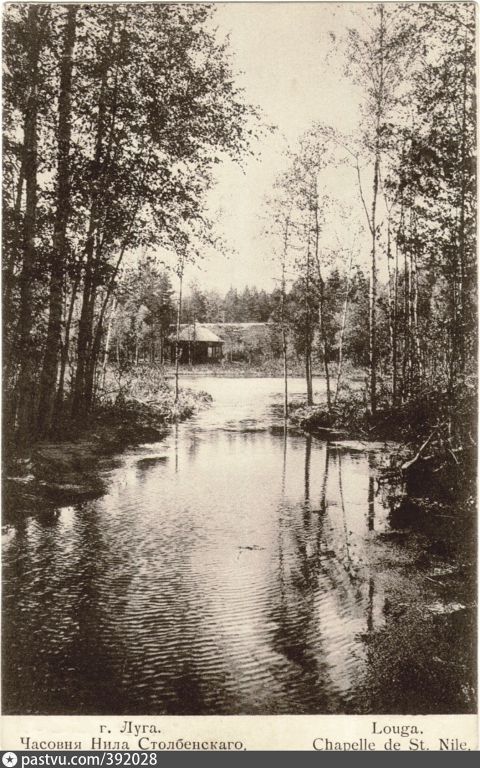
{"x": 59, "y": 254}
{"x": 124, "y": 116}
{"x": 25, "y": 387}
{"x": 377, "y": 55}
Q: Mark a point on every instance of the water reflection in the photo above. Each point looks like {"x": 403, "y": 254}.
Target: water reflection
{"x": 227, "y": 570}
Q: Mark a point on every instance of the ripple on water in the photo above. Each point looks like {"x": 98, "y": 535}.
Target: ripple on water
{"x": 215, "y": 576}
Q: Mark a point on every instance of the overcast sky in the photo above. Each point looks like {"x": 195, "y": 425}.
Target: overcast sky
{"x": 285, "y": 59}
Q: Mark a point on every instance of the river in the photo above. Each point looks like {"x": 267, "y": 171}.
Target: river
{"x": 230, "y": 568}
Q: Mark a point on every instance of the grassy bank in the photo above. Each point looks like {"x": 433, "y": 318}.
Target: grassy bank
{"x": 423, "y": 647}
{"x": 435, "y": 432}
{"x": 71, "y": 466}
{"x": 448, "y": 414}
{"x": 266, "y": 369}
{"x": 234, "y": 369}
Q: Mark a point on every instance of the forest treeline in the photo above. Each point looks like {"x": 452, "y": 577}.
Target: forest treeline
{"x": 144, "y": 312}
{"x": 114, "y": 117}
{"x": 414, "y": 167}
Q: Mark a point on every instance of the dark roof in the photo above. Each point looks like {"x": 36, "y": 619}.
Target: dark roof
{"x": 197, "y": 333}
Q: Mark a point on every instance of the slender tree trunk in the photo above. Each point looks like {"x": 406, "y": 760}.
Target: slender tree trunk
{"x": 84, "y": 327}
{"x": 82, "y": 341}
{"x": 461, "y": 332}
{"x": 342, "y": 329}
{"x": 283, "y": 321}
{"x": 93, "y": 343}
{"x": 285, "y": 371}
{"x": 8, "y": 311}
{"x": 415, "y": 343}
{"x": 308, "y": 371}
{"x": 376, "y": 179}
{"x": 321, "y": 307}
{"x": 373, "y": 300}
{"x": 60, "y": 243}
{"x": 26, "y": 379}
{"x": 410, "y": 348}
{"x": 8, "y": 280}
{"x": 406, "y": 330}
{"x": 93, "y": 338}
{"x": 395, "y": 330}
{"x": 177, "y": 336}
{"x": 65, "y": 348}
{"x": 393, "y": 309}
{"x": 308, "y": 330}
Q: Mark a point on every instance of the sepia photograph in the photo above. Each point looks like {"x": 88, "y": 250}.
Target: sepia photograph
{"x": 239, "y": 301}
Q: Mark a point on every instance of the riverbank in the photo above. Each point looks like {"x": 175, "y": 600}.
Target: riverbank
{"x": 447, "y": 418}
{"x": 435, "y": 452}
{"x": 232, "y": 370}
{"x": 71, "y": 468}
{"x": 426, "y": 559}
{"x": 264, "y": 370}
{"x": 233, "y": 513}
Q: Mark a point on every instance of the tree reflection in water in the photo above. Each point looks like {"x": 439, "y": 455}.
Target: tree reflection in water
{"x": 237, "y": 567}
{"x": 326, "y": 596}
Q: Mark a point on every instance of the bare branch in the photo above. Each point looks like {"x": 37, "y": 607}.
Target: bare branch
{"x": 362, "y": 197}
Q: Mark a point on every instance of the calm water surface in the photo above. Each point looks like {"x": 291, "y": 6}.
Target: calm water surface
{"x": 229, "y": 569}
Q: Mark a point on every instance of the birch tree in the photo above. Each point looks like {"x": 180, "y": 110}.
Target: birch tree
{"x": 376, "y": 52}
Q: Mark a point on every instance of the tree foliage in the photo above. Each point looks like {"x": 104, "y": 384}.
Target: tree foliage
{"x": 114, "y": 118}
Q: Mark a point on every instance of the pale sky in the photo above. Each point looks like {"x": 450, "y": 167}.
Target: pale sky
{"x": 285, "y": 60}
{"x": 283, "y": 56}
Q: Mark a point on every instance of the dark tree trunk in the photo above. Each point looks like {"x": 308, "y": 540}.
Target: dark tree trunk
{"x": 395, "y": 330}
{"x": 461, "y": 331}
{"x": 308, "y": 371}
{"x": 376, "y": 181}
{"x": 107, "y": 342}
{"x": 26, "y": 383}
{"x": 406, "y": 327}
{"x": 8, "y": 280}
{"x": 60, "y": 242}
{"x": 84, "y": 327}
{"x": 8, "y": 312}
{"x": 177, "y": 333}
{"x": 89, "y": 288}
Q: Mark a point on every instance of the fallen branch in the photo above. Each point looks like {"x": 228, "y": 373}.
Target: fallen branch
{"x": 407, "y": 464}
{"x": 453, "y": 455}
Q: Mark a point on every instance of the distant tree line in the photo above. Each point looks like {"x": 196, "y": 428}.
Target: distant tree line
{"x": 143, "y": 316}
{"x": 235, "y": 306}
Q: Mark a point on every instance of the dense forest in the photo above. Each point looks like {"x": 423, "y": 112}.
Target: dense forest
{"x": 414, "y": 163}
{"x": 114, "y": 118}
{"x": 240, "y": 378}
{"x": 144, "y": 312}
